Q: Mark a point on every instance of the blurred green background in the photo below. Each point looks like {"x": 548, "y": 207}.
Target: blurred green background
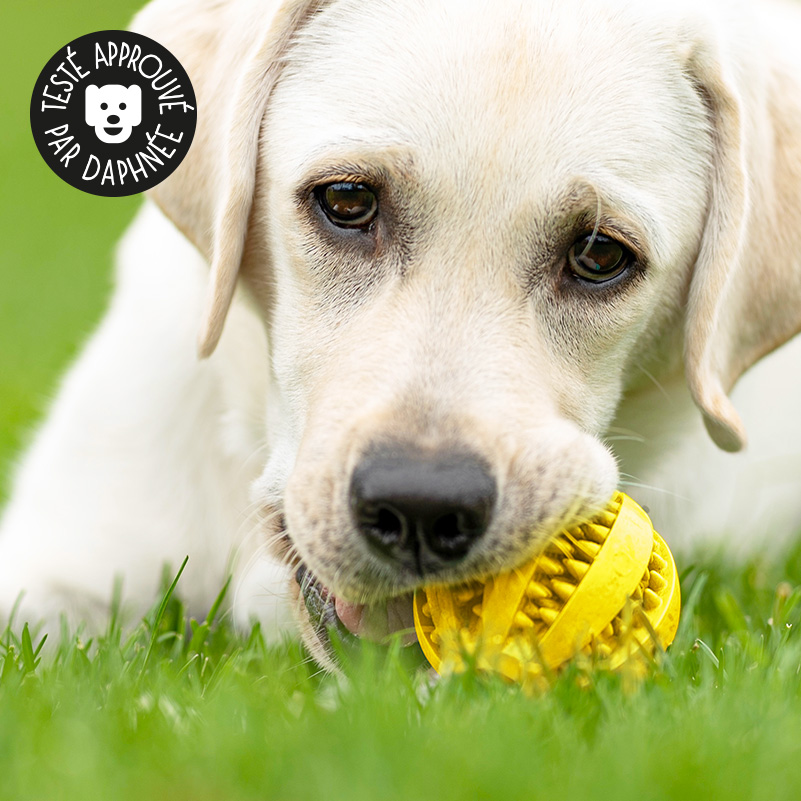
{"x": 57, "y": 242}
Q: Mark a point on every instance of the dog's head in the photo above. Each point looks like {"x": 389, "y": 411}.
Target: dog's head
{"x": 467, "y": 225}
{"x": 113, "y": 111}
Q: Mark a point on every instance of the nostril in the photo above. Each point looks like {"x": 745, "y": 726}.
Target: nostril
{"x": 112, "y": 119}
{"x": 388, "y": 526}
{"x": 383, "y": 527}
{"x": 450, "y": 536}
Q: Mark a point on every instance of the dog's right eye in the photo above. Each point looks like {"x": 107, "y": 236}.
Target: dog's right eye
{"x": 347, "y": 205}
{"x": 103, "y": 106}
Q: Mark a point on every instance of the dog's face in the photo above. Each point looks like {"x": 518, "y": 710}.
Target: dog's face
{"x": 526, "y": 211}
{"x": 471, "y": 227}
{"x": 113, "y": 111}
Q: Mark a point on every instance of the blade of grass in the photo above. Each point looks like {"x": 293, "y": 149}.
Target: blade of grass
{"x": 154, "y": 633}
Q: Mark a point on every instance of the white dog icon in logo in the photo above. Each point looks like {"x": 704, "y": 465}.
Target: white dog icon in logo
{"x": 113, "y": 111}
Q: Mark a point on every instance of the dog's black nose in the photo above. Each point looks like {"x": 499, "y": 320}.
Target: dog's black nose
{"x": 112, "y": 119}
{"x": 422, "y": 510}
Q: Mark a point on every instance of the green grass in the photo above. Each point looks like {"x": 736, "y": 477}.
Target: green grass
{"x": 174, "y": 711}
{"x": 180, "y": 710}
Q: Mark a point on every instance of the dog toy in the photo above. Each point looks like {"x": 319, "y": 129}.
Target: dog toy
{"x": 607, "y": 589}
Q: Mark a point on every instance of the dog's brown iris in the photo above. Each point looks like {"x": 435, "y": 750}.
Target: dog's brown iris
{"x": 348, "y": 205}
{"x": 598, "y": 258}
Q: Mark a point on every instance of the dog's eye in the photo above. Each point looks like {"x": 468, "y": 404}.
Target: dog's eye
{"x": 348, "y": 205}
{"x": 122, "y": 106}
{"x": 104, "y": 106}
{"x": 598, "y": 258}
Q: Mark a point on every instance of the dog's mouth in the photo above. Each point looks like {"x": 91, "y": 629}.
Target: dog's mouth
{"x": 334, "y": 618}
{"x": 113, "y": 131}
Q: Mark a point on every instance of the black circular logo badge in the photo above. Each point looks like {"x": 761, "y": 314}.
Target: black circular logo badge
{"x": 113, "y": 113}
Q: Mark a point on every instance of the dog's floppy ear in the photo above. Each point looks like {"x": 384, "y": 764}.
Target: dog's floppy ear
{"x": 745, "y": 292}
{"x": 232, "y": 51}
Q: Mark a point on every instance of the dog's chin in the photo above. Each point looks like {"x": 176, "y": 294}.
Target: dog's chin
{"x": 331, "y": 625}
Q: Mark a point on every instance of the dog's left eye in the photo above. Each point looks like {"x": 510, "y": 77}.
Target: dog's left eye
{"x": 598, "y": 258}
{"x": 348, "y": 205}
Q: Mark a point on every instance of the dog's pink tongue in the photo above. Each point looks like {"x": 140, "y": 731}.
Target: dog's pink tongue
{"x": 351, "y": 615}
{"x": 377, "y": 621}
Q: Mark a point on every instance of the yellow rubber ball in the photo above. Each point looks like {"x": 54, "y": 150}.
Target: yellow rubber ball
{"x": 607, "y": 590}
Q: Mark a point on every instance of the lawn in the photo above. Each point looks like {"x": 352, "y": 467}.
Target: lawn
{"x": 176, "y": 710}
{"x": 196, "y": 712}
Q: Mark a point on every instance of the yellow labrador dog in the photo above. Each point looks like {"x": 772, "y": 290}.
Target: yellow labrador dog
{"x": 460, "y": 268}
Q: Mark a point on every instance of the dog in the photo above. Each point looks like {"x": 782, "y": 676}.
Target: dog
{"x": 478, "y": 264}
{"x": 113, "y": 111}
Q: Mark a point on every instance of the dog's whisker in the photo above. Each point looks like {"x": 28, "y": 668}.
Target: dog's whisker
{"x": 243, "y": 574}
{"x": 655, "y": 381}
{"x": 255, "y": 522}
{"x": 252, "y": 515}
{"x": 263, "y": 550}
{"x": 320, "y": 672}
{"x": 306, "y": 660}
{"x": 593, "y": 237}
{"x": 654, "y": 489}
{"x": 621, "y": 430}
{"x": 257, "y": 452}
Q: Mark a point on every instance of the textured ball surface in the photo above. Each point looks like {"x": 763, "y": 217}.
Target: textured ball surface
{"x": 607, "y": 589}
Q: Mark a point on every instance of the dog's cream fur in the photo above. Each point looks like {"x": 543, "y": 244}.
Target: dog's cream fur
{"x": 494, "y": 128}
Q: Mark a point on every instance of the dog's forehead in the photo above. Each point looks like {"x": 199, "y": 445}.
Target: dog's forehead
{"x": 512, "y": 79}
